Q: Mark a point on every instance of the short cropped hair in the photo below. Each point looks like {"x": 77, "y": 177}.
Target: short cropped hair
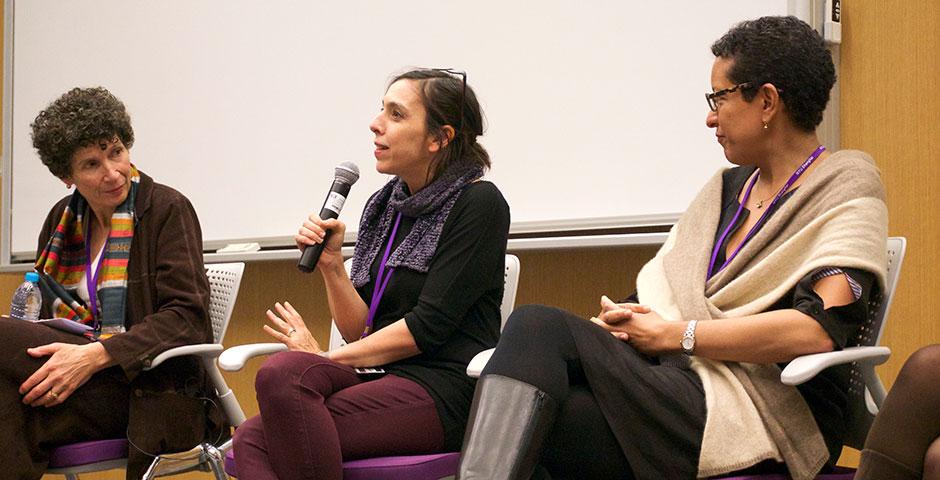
{"x": 787, "y": 53}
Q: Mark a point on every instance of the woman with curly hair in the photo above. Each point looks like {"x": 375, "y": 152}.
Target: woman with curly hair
{"x": 121, "y": 255}
{"x": 775, "y": 258}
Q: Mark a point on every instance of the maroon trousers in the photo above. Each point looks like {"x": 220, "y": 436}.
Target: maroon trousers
{"x": 97, "y": 410}
{"x": 316, "y": 413}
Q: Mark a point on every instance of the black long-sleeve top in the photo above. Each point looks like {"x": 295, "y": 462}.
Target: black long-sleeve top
{"x": 452, "y": 310}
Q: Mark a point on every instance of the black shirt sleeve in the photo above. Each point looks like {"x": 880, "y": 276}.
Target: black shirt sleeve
{"x": 840, "y": 322}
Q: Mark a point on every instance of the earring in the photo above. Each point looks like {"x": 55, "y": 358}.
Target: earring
{"x": 765, "y": 125}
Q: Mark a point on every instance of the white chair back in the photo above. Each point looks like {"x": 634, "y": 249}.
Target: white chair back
{"x": 511, "y": 285}
{"x": 866, "y": 392}
{"x": 224, "y": 280}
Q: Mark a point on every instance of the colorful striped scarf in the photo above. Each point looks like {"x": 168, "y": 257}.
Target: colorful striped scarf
{"x": 61, "y": 264}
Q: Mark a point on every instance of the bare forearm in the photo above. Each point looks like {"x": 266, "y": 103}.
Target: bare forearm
{"x": 348, "y": 310}
{"x": 387, "y": 345}
{"x": 769, "y": 337}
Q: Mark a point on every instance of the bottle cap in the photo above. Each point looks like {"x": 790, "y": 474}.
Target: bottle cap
{"x": 32, "y": 277}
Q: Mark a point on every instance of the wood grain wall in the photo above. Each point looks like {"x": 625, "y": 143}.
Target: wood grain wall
{"x": 890, "y": 76}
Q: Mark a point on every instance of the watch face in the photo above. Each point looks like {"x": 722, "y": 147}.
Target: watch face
{"x": 688, "y": 343}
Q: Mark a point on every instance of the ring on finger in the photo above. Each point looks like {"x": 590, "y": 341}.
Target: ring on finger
{"x": 291, "y": 331}
{"x": 55, "y": 396}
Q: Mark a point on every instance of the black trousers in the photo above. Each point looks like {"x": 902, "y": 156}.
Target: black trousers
{"x": 539, "y": 346}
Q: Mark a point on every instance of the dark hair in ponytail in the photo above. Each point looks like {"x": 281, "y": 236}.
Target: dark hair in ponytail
{"x": 441, "y": 93}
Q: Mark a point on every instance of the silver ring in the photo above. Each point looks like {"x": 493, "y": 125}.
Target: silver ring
{"x": 291, "y": 331}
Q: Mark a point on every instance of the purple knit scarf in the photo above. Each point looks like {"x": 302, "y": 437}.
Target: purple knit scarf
{"x": 430, "y": 208}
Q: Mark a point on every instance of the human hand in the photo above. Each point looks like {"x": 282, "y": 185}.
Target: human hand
{"x": 314, "y": 230}
{"x": 291, "y": 329}
{"x": 68, "y": 368}
{"x": 614, "y": 313}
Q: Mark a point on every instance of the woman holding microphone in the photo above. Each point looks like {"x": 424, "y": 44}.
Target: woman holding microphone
{"x": 421, "y": 300}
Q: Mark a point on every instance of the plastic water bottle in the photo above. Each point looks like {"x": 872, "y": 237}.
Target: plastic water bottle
{"x": 27, "y": 300}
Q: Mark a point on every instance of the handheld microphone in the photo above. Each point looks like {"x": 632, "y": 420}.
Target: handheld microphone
{"x": 345, "y": 176}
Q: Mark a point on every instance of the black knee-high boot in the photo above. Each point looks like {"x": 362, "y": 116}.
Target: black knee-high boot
{"x": 509, "y": 419}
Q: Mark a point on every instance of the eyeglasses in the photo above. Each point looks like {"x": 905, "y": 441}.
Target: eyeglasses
{"x": 463, "y": 93}
{"x": 712, "y": 97}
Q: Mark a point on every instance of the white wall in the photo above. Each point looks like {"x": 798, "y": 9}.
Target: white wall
{"x": 595, "y": 109}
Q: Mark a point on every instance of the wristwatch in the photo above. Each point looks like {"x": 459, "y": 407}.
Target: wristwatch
{"x": 688, "y": 338}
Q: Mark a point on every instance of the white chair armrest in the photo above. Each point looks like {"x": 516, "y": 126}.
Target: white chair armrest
{"x": 202, "y": 349}
{"x": 806, "y": 367}
{"x": 475, "y": 367}
{"x": 233, "y": 359}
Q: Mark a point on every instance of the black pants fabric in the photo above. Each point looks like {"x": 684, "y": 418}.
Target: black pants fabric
{"x": 553, "y": 350}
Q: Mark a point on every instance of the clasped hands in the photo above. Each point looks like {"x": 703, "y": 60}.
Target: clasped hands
{"x": 638, "y": 325}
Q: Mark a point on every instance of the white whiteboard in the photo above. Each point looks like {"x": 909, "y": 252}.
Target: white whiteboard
{"x": 595, "y": 110}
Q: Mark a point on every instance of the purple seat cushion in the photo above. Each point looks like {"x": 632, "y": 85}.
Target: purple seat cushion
{"x": 838, "y": 473}
{"x": 83, "y": 453}
{"x": 412, "y": 467}
{"x": 230, "y": 463}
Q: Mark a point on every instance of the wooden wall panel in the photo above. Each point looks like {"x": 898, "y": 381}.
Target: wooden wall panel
{"x": 890, "y": 76}
{"x": 890, "y": 73}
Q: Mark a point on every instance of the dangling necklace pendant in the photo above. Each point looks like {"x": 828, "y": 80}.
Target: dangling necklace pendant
{"x": 760, "y": 204}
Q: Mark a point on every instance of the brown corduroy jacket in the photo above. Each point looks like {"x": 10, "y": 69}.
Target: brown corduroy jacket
{"x": 167, "y": 306}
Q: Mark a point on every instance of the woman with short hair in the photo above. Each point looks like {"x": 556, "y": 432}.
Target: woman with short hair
{"x": 775, "y": 258}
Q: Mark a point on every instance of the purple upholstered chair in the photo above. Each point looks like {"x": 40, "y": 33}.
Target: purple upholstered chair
{"x": 98, "y": 456}
{"x": 412, "y": 467}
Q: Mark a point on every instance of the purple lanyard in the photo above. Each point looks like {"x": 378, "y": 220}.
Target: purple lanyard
{"x": 381, "y": 281}
{"x": 91, "y": 281}
{"x": 721, "y": 240}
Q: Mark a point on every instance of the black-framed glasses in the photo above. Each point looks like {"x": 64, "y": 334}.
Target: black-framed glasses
{"x": 712, "y": 97}
{"x": 463, "y": 94}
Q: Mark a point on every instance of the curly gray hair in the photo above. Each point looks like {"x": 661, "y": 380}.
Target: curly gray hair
{"x": 77, "y": 119}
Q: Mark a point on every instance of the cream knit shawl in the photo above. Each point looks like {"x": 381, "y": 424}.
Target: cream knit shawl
{"x": 838, "y": 218}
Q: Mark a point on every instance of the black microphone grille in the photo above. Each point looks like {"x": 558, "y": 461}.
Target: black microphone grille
{"x": 347, "y": 172}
